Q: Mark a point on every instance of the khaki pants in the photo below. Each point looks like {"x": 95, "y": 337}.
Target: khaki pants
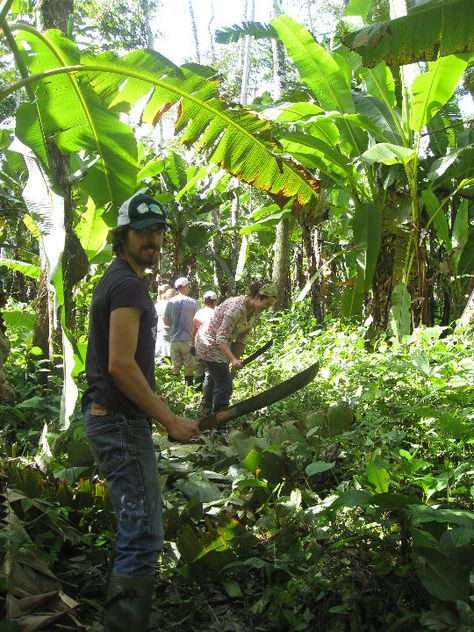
{"x": 180, "y": 356}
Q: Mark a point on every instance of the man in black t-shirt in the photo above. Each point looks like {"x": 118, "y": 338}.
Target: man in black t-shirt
{"x": 119, "y": 405}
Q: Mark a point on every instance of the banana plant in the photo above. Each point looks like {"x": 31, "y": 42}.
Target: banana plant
{"x": 368, "y": 143}
{"x": 73, "y": 91}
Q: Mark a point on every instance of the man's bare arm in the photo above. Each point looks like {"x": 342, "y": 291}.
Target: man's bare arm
{"x": 123, "y": 338}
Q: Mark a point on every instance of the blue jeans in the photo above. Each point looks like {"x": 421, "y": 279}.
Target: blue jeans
{"x": 124, "y": 451}
{"x": 217, "y": 385}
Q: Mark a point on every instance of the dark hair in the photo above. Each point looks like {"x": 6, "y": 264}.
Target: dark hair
{"x": 118, "y": 237}
{"x": 256, "y": 286}
{"x": 210, "y": 301}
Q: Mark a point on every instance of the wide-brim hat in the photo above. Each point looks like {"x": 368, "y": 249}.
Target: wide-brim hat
{"x": 141, "y": 211}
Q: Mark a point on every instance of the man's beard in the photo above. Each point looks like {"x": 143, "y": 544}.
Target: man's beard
{"x": 144, "y": 259}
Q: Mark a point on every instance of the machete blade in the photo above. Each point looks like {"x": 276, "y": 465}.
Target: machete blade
{"x": 257, "y": 353}
{"x": 270, "y": 396}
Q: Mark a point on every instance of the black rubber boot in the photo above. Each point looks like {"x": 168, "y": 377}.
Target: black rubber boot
{"x": 128, "y": 603}
{"x": 189, "y": 380}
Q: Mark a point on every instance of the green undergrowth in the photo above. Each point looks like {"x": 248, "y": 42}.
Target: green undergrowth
{"x": 347, "y": 506}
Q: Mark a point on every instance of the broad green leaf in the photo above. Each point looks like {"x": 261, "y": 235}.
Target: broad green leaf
{"x": 380, "y": 83}
{"x": 227, "y": 135}
{"x": 316, "y": 152}
{"x": 317, "y": 467}
{"x": 320, "y": 71}
{"x": 377, "y": 118}
{"x": 46, "y": 208}
{"x": 432, "y": 89}
{"x": 352, "y": 301}
{"x": 431, "y": 32}
{"x": 30, "y": 131}
{"x": 437, "y": 217}
{"x": 92, "y": 230}
{"x": 378, "y": 477}
{"x": 443, "y": 576}
{"x": 461, "y": 224}
{"x": 440, "y": 166}
{"x": 151, "y": 169}
{"x": 28, "y": 269}
{"x": 400, "y": 311}
{"x": 465, "y": 267}
{"x": 32, "y": 402}
{"x": 367, "y": 231}
{"x": 19, "y": 320}
{"x": 299, "y": 111}
{"x": 197, "y": 234}
{"x": 316, "y": 66}
{"x": 423, "y": 513}
{"x": 389, "y": 154}
{"x": 76, "y": 118}
{"x": 352, "y": 498}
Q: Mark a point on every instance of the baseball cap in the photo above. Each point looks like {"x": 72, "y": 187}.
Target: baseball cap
{"x": 269, "y": 289}
{"x": 210, "y": 295}
{"x": 140, "y": 211}
{"x": 181, "y": 282}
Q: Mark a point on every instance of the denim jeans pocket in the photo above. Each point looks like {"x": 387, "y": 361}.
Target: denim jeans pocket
{"x": 106, "y": 438}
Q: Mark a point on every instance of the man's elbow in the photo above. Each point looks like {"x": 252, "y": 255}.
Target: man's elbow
{"x": 117, "y": 368}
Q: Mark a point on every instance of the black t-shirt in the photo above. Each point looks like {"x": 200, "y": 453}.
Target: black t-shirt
{"x": 119, "y": 287}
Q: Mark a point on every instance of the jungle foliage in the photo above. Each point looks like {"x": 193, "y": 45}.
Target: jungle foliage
{"x": 345, "y": 507}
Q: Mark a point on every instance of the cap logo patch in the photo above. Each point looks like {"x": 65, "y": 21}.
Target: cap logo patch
{"x": 142, "y": 208}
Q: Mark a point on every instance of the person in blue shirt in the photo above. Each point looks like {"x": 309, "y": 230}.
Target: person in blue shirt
{"x": 178, "y": 316}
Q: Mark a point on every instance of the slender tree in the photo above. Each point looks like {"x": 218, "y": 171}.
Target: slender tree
{"x": 194, "y": 30}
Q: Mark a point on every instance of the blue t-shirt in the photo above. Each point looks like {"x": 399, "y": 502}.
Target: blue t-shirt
{"x": 180, "y": 311}
{"x": 119, "y": 287}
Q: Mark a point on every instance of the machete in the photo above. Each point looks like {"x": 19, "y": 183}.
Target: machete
{"x": 270, "y": 396}
{"x": 255, "y": 354}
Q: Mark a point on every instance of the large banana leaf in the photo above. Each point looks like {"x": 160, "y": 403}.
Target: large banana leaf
{"x": 367, "y": 231}
{"x": 434, "y": 30}
{"x": 226, "y": 134}
{"x": 432, "y": 89}
{"x": 437, "y": 217}
{"x": 68, "y": 111}
{"x": 320, "y": 71}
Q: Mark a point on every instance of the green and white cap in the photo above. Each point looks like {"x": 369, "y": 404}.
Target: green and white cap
{"x": 141, "y": 211}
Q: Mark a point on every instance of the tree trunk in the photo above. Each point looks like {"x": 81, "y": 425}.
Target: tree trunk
{"x": 383, "y": 282}
{"x": 221, "y": 280}
{"x": 194, "y": 30}
{"x": 211, "y": 34}
{"x": 281, "y": 264}
{"x": 56, "y": 14}
{"x": 246, "y": 60}
{"x": 146, "y": 12}
{"x": 316, "y": 299}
